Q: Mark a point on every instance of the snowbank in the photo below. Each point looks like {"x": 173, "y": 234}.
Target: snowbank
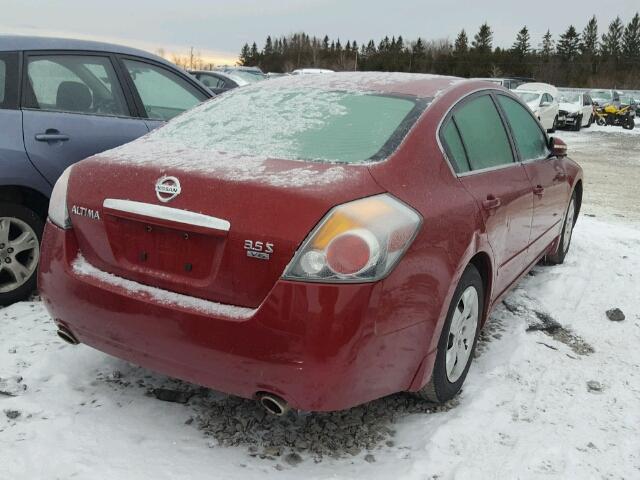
{"x": 526, "y": 411}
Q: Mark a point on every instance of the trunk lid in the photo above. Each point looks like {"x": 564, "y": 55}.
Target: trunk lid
{"x": 229, "y": 233}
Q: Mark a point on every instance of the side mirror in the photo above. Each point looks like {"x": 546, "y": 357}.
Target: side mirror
{"x": 558, "y": 147}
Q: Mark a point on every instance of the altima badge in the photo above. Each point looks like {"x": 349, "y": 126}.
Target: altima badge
{"x": 85, "y": 212}
{"x": 167, "y": 188}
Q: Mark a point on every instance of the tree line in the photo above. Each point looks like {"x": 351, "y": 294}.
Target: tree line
{"x": 575, "y": 58}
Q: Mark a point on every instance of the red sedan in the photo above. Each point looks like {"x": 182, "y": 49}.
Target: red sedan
{"x": 315, "y": 242}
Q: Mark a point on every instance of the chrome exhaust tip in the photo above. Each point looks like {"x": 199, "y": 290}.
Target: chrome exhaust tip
{"x": 273, "y": 404}
{"x": 67, "y": 336}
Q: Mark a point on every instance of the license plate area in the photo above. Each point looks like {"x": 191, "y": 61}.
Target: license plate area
{"x": 167, "y": 253}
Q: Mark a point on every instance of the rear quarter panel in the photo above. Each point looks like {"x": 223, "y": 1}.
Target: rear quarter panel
{"x": 420, "y": 289}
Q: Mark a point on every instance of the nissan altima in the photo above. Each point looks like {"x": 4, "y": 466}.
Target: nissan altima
{"x": 313, "y": 242}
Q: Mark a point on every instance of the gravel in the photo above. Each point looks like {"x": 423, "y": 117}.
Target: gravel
{"x": 233, "y": 421}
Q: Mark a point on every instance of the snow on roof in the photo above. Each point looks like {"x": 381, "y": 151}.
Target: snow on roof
{"x": 418, "y": 84}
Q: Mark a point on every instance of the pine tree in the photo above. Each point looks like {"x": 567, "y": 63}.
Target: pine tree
{"x": 325, "y": 43}
{"x": 547, "y": 48}
{"x": 268, "y": 46}
{"x": 245, "y": 55}
{"x": 371, "y": 48}
{"x": 569, "y": 44}
{"x": 254, "y": 53}
{"x": 522, "y": 45}
{"x": 461, "y": 45}
{"x": 631, "y": 39}
{"x": 612, "y": 40}
{"x": 483, "y": 40}
{"x": 589, "y": 43}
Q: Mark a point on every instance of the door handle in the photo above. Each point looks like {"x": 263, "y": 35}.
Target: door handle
{"x": 561, "y": 177}
{"x": 51, "y": 135}
{"x": 491, "y": 203}
{"x": 538, "y": 190}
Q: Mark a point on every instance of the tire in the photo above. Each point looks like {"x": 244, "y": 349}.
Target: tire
{"x": 601, "y": 121}
{"x": 578, "y": 124}
{"x": 449, "y": 375}
{"x": 554, "y": 127}
{"x": 20, "y": 236}
{"x": 590, "y": 122}
{"x": 629, "y": 124}
{"x": 567, "y": 233}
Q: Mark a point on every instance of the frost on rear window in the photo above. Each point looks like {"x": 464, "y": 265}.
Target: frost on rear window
{"x": 294, "y": 124}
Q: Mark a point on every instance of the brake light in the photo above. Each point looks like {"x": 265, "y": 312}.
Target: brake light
{"x": 359, "y": 241}
{"x": 58, "y": 212}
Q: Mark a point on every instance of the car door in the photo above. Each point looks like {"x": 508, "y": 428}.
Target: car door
{"x": 546, "y": 111}
{"x": 587, "y": 109}
{"x": 73, "y": 107}
{"x": 475, "y": 137}
{"x": 159, "y": 92}
{"x": 546, "y": 173}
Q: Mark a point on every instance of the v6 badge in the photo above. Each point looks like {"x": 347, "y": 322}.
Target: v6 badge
{"x": 259, "y": 250}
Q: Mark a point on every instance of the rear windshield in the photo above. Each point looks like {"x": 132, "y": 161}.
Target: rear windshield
{"x": 528, "y": 97}
{"x": 297, "y": 124}
{"x": 570, "y": 97}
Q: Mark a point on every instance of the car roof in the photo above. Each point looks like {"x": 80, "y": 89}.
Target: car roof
{"x": 414, "y": 84}
{"x": 10, "y": 43}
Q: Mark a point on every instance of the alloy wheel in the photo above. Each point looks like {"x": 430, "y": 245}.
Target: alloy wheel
{"x": 19, "y": 253}
{"x": 568, "y": 226}
{"x": 462, "y": 334}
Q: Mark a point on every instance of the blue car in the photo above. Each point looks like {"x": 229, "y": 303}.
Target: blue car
{"x": 61, "y": 101}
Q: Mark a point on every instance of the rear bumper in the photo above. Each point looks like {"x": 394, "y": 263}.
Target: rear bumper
{"x": 315, "y": 345}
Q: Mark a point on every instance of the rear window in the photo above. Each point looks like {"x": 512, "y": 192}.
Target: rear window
{"x": 298, "y": 124}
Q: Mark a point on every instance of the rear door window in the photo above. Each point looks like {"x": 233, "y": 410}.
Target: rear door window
{"x": 529, "y": 138}
{"x": 483, "y": 134}
{"x": 163, "y": 93}
{"x": 454, "y": 147}
{"x": 74, "y": 83}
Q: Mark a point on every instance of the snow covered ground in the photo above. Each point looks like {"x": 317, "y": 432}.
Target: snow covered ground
{"x": 553, "y": 393}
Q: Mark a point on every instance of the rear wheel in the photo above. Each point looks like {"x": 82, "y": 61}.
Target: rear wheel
{"x": 20, "y": 234}
{"x": 629, "y": 124}
{"x": 590, "y": 122}
{"x": 567, "y": 232}
{"x": 457, "y": 340}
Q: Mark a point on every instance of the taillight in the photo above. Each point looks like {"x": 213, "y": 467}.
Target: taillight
{"x": 359, "y": 241}
{"x": 58, "y": 212}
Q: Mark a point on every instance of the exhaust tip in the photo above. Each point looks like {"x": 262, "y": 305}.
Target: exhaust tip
{"x": 273, "y": 404}
{"x": 67, "y": 336}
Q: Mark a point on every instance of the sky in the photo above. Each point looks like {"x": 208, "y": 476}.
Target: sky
{"x": 218, "y": 29}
